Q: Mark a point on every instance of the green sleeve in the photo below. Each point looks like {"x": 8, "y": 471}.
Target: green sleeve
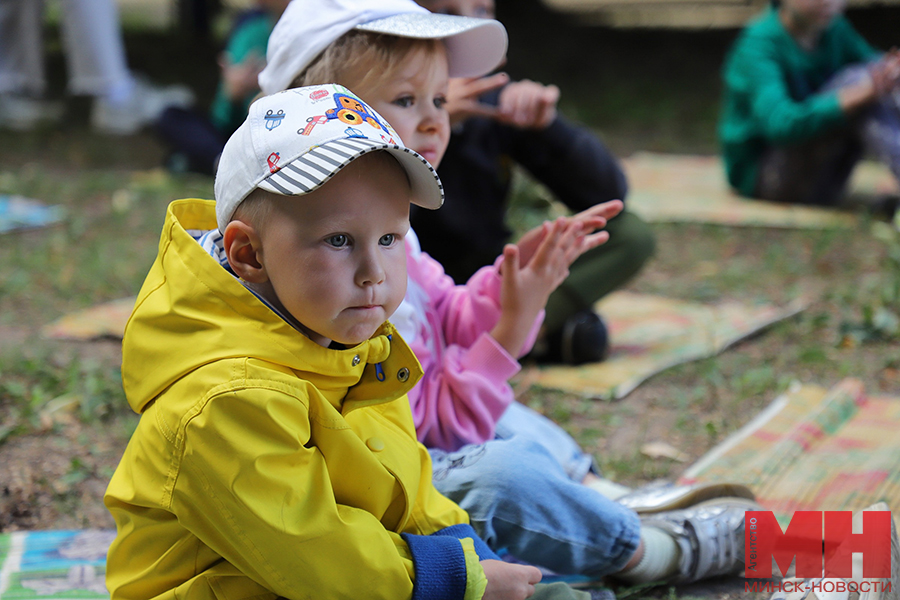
{"x": 249, "y": 39}
{"x": 757, "y": 75}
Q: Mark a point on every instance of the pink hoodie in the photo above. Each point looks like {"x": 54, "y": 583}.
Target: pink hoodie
{"x": 466, "y": 387}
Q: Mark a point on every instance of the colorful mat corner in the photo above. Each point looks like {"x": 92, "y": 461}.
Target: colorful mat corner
{"x": 54, "y": 565}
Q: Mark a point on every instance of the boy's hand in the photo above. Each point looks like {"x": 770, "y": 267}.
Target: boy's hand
{"x": 241, "y": 79}
{"x": 528, "y": 104}
{"x": 463, "y": 97}
{"x": 508, "y": 581}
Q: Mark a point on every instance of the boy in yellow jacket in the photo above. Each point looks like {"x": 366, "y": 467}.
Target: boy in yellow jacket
{"x": 276, "y": 454}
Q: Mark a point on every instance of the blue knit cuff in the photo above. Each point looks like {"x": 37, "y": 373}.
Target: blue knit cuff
{"x": 465, "y": 531}
{"x": 440, "y": 565}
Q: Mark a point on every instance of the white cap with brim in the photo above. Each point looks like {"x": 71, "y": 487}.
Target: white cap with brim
{"x": 293, "y": 142}
{"x": 307, "y": 27}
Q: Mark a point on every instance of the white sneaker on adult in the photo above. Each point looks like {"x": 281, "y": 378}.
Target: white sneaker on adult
{"x": 145, "y": 105}
{"x": 24, "y": 113}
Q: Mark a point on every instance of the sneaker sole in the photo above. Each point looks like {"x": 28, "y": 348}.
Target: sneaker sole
{"x": 680, "y": 497}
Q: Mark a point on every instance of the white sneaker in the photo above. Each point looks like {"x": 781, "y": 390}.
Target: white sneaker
{"x": 24, "y": 113}
{"x": 146, "y": 104}
{"x": 710, "y": 535}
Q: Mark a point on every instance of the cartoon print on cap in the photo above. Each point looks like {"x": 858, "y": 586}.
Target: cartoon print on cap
{"x": 312, "y": 122}
{"x": 353, "y": 111}
{"x": 354, "y": 133}
{"x": 273, "y": 120}
{"x": 272, "y": 161}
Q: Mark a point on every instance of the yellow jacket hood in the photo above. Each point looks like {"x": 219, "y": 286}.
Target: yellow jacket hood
{"x": 209, "y": 315}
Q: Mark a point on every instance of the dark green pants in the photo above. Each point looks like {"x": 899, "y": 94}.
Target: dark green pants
{"x": 602, "y": 270}
{"x": 557, "y": 591}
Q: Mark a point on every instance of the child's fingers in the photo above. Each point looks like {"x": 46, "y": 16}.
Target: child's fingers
{"x": 595, "y": 239}
{"x": 509, "y": 268}
{"x": 546, "y": 109}
{"x": 589, "y": 224}
{"x": 476, "y": 86}
{"x": 607, "y": 210}
{"x": 542, "y": 257}
{"x": 473, "y": 108}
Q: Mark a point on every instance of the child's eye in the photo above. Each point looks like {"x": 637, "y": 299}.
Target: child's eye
{"x": 404, "y": 101}
{"x": 387, "y": 239}
{"x": 338, "y": 241}
{"x": 440, "y": 102}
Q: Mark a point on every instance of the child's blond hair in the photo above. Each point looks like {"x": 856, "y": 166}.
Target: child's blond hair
{"x": 362, "y": 56}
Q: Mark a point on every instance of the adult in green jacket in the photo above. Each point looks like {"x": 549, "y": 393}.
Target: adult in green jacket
{"x": 804, "y": 97}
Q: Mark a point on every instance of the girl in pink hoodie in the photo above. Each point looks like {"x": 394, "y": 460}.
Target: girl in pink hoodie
{"x": 518, "y": 475}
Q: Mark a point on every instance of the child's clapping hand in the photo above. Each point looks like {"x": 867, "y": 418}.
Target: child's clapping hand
{"x": 507, "y": 581}
{"x": 534, "y": 268}
{"x": 526, "y": 104}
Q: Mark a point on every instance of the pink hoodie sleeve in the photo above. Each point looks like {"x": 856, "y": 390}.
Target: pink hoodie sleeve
{"x": 465, "y": 388}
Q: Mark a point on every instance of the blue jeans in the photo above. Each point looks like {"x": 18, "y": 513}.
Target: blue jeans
{"x": 523, "y": 492}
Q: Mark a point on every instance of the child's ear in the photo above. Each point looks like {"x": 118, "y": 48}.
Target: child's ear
{"x": 243, "y": 248}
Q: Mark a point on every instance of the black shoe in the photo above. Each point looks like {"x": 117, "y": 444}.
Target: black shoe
{"x": 582, "y": 339}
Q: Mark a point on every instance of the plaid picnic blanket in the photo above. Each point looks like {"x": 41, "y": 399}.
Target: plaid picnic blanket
{"x": 814, "y": 449}
{"x": 652, "y": 333}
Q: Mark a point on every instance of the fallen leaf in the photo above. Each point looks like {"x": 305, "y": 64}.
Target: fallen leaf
{"x": 663, "y": 450}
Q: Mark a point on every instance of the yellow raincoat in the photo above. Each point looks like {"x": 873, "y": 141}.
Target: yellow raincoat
{"x": 264, "y": 464}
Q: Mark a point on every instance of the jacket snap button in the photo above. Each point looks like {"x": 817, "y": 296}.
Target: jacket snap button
{"x": 375, "y": 444}
{"x": 355, "y": 360}
{"x": 403, "y": 374}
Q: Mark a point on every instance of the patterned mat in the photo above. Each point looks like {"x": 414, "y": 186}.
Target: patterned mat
{"x": 54, "y": 565}
{"x": 650, "y": 334}
{"x": 671, "y": 188}
{"x": 814, "y": 449}
{"x": 17, "y": 212}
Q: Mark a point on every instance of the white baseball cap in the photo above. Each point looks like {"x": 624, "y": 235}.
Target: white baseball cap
{"x": 294, "y": 141}
{"x": 307, "y": 27}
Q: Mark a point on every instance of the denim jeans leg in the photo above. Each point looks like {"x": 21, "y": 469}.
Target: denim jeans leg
{"x": 879, "y": 124}
{"x": 519, "y": 498}
{"x": 519, "y": 420}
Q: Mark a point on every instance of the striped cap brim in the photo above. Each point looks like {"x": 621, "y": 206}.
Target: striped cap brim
{"x": 312, "y": 169}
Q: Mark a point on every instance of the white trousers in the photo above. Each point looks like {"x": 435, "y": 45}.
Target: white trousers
{"x": 92, "y": 41}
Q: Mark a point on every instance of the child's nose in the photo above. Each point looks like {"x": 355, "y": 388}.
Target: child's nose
{"x": 432, "y": 119}
{"x": 370, "y": 270}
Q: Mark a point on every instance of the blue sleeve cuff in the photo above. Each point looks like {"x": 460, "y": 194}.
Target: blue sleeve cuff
{"x": 464, "y": 530}
{"x": 440, "y": 565}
